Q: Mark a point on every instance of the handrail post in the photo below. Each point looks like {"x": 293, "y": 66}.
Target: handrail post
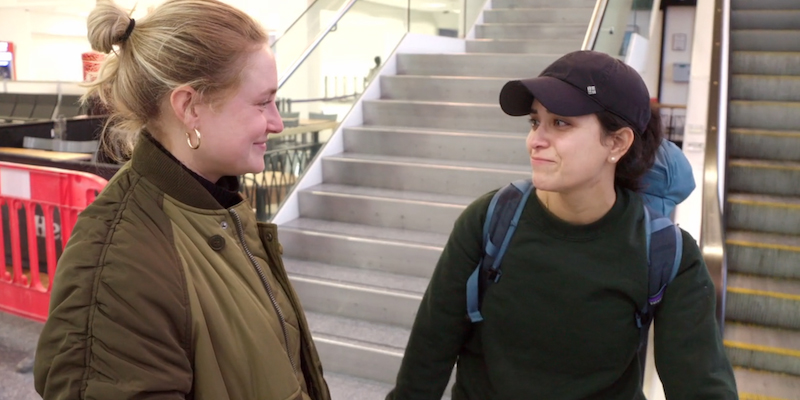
{"x": 594, "y": 25}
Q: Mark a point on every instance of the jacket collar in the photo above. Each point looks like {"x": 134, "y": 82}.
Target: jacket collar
{"x": 169, "y": 176}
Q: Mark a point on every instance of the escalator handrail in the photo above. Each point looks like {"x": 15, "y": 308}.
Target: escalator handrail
{"x": 317, "y": 40}
{"x": 712, "y": 236}
{"x": 594, "y": 25}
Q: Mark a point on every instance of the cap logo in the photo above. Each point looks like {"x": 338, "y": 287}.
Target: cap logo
{"x": 591, "y": 90}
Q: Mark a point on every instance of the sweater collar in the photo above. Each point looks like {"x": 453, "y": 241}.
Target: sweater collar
{"x": 565, "y": 230}
{"x": 158, "y": 166}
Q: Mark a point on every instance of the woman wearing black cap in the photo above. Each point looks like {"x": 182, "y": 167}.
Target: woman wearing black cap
{"x": 560, "y": 323}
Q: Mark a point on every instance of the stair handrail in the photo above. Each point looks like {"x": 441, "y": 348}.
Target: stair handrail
{"x": 303, "y": 14}
{"x": 712, "y": 236}
{"x": 317, "y": 40}
{"x": 594, "y": 25}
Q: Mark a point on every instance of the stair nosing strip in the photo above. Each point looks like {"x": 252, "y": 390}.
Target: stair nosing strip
{"x": 764, "y": 164}
{"x": 426, "y": 164}
{"x": 762, "y": 349}
{"x": 363, "y": 239}
{"x": 763, "y": 245}
{"x": 318, "y": 192}
{"x": 332, "y": 341}
{"x": 754, "y": 132}
{"x": 753, "y": 396}
{"x": 763, "y": 293}
{"x": 408, "y": 295}
{"x": 430, "y": 131}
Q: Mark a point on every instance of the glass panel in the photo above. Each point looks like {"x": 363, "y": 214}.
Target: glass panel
{"x": 436, "y": 17}
{"x": 321, "y": 92}
{"x": 472, "y": 9}
{"x": 291, "y": 45}
{"x": 624, "y": 22}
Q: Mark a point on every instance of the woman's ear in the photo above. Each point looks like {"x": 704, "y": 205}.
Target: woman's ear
{"x": 621, "y": 142}
{"x": 182, "y": 103}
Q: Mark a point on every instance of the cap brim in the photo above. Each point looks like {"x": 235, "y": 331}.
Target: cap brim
{"x": 559, "y": 97}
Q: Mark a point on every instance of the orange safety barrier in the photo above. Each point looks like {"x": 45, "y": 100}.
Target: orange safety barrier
{"x": 43, "y": 205}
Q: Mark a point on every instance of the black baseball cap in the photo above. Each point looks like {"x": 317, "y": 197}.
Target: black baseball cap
{"x": 580, "y": 83}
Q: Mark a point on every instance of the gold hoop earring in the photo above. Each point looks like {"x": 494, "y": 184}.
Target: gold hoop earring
{"x": 189, "y": 140}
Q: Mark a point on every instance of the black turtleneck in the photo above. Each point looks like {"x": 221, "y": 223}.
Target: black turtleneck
{"x": 225, "y": 190}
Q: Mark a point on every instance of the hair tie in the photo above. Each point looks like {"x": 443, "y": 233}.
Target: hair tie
{"x": 128, "y": 31}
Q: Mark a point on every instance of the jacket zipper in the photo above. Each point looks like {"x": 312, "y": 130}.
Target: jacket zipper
{"x": 264, "y": 281}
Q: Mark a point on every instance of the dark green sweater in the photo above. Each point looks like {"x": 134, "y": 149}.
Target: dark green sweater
{"x": 560, "y": 322}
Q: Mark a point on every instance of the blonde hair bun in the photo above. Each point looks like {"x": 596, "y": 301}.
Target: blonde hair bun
{"x": 106, "y": 24}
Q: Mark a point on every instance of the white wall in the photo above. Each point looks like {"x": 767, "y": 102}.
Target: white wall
{"x": 49, "y": 41}
{"x": 15, "y": 27}
{"x": 679, "y": 20}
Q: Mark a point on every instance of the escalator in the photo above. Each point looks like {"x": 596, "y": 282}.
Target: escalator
{"x": 762, "y": 329}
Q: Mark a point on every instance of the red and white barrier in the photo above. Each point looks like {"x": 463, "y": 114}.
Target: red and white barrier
{"x": 24, "y": 290}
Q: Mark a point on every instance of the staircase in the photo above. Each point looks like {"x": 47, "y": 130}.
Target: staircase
{"x": 362, "y": 252}
{"x": 762, "y": 332}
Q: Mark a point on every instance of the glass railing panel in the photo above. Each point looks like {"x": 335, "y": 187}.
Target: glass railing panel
{"x": 320, "y": 92}
{"x": 436, "y": 17}
{"x": 471, "y": 9}
{"x": 624, "y": 24}
{"x": 290, "y": 46}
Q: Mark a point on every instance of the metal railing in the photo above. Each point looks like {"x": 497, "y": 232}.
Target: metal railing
{"x": 285, "y": 75}
{"x": 283, "y": 166}
{"x": 673, "y": 118}
{"x": 594, "y": 25}
{"x": 712, "y": 237}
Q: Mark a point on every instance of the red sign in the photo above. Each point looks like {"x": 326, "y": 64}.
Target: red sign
{"x": 7, "y": 61}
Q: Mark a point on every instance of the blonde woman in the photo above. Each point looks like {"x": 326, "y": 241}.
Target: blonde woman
{"x": 169, "y": 288}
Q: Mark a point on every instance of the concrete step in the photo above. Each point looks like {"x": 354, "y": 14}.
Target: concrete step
{"x": 763, "y": 348}
{"x": 765, "y": 177}
{"x": 533, "y": 45}
{"x": 395, "y": 251}
{"x": 762, "y": 385}
{"x": 762, "y": 213}
{"x": 765, "y": 115}
{"x": 425, "y": 114}
{"x": 440, "y": 88}
{"x": 765, "y": 63}
{"x": 514, "y": 66}
{"x": 490, "y": 147}
{"x": 763, "y": 144}
{"x": 528, "y": 30}
{"x": 539, "y": 15}
{"x": 765, "y": 19}
{"x": 765, "y": 40}
{"x": 527, "y": 4}
{"x": 764, "y": 5}
{"x": 363, "y": 294}
{"x": 763, "y": 254}
{"x": 462, "y": 178}
{"x": 765, "y": 87}
{"x": 763, "y": 301}
{"x": 382, "y": 207}
{"x": 358, "y": 348}
{"x": 346, "y": 387}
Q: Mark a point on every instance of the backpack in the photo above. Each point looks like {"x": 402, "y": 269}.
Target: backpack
{"x": 664, "y": 252}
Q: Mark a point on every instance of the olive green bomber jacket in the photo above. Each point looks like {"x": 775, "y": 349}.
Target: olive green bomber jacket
{"x": 157, "y": 297}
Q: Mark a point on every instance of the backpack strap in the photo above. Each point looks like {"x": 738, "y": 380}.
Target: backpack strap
{"x": 664, "y": 253}
{"x": 501, "y": 221}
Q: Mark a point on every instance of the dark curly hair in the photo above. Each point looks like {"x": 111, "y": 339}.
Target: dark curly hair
{"x": 641, "y": 156}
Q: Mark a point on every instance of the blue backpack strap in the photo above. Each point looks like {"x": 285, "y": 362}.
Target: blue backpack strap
{"x": 501, "y": 221}
{"x": 664, "y": 253}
